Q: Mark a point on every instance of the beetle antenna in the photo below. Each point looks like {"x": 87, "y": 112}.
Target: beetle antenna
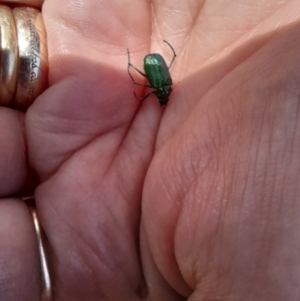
{"x": 174, "y": 54}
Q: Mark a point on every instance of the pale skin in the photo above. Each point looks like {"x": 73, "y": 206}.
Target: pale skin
{"x": 196, "y": 201}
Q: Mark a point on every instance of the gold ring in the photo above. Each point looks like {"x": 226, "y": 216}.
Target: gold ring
{"x": 33, "y": 56}
{"x": 46, "y": 294}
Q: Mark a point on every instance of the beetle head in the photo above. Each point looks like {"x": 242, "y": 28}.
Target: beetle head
{"x": 163, "y": 93}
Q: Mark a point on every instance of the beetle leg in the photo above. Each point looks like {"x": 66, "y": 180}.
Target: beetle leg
{"x": 130, "y": 65}
{"x": 140, "y": 72}
{"x": 141, "y": 99}
{"x": 174, "y": 54}
{"x": 136, "y": 83}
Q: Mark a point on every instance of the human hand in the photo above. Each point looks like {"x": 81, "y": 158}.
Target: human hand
{"x": 219, "y": 211}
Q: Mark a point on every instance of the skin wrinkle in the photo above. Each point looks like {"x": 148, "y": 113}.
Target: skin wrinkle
{"x": 260, "y": 137}
{"x": 195, "y": 21}
{"x": 242, "y": 190}
{"x": 188, "y": 192}
{"x": 287, "y": 148}
{"x": 233, "y": 69}
{"x": 79, "y": 236}
{"x": 124, "y": 138}
{"x": 122, "y": 187}
{"x": 120, "y": 230}
{"x": 297, "y": 95}
{"x": 87, "y": 266}
{"x": 154, "y": 24}
{"x": 292, "y": 147}
{"x": 285, "y": 172}
{"x": 281, "y": 182}
{"x": 89, "y": 31}
{"x": 221, "y": 240}
{"x": 266, "y": 236}
{"x": 141, "y": 146}
{"x": 117, "y": 151}
{"x": 73, "y": 152}
{"x": 166, "y": 185}
{"x": 169, "y": 188}
{"x": 96, "y": 253}
{"x": 187, "y": 199}
{"x": 165, "y": 24}
{"x": 191, "y": 166}
{"x": 275, "y": 220}
{"x": 267, "y": 206}
{"x": 242, "y": 36}
{"x": 114, "y": 219}
{"x": 87, "y": 192}
{"x": 259, "y": 143}
{"x": 75, "y": 23}
{"x": 233, "y": 41}
{"x": 255, "y": 176}
{"x": 192, "y": 183}
{"x": 85, "y": 124}
{"x": 174, "y": 222}
{"x": 215, "y": 233}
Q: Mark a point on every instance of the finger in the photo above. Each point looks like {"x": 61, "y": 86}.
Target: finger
{"x": 19, "y": 261}
{"x": 93, "y": 240}
{"x": 36, "y": 3}
{"x": 14, "y": 171}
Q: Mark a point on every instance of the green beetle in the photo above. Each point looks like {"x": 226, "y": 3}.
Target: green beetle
{"x": 158, "y": 75}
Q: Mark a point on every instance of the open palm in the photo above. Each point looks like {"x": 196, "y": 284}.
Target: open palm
{"x": 143, "y": 202}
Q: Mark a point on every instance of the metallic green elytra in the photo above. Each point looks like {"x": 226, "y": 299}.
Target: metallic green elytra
{"x": 157, "y": 74}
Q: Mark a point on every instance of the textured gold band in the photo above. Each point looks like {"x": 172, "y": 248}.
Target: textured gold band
{"x": 24, "y": 57}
